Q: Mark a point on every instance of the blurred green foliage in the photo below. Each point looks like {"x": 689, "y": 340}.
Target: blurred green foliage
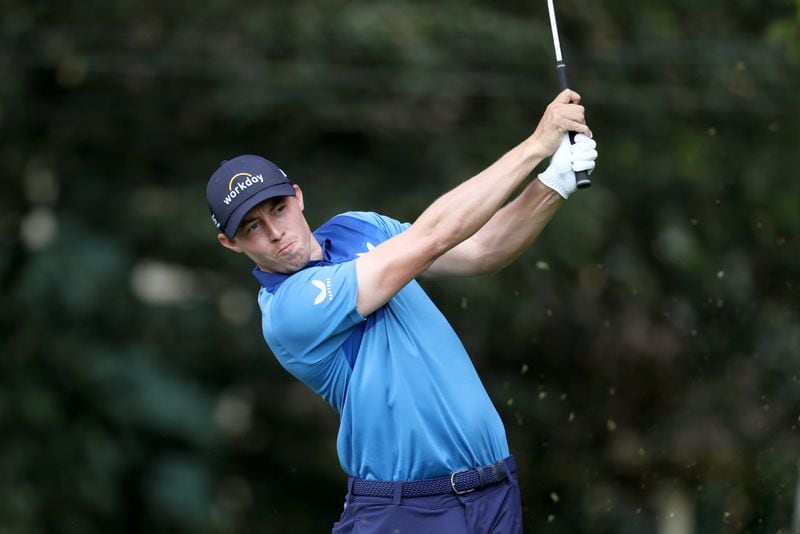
{"x": 647, "y": 346}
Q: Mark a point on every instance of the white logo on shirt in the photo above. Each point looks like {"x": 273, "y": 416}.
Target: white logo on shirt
{"x": 324, "y": 290}
{"x": 370, "y": 246}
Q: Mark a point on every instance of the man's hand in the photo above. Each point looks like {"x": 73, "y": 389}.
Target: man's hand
{"x": 581, "y": 156}
{"x": 564, "y": 114}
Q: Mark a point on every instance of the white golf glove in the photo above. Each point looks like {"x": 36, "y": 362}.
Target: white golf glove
{"x": 559, "y": 175}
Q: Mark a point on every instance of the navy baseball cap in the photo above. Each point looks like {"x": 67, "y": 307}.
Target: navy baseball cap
{"x": 240, "y": 184}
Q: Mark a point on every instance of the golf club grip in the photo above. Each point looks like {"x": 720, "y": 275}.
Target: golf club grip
{"x": 581, "y": 177}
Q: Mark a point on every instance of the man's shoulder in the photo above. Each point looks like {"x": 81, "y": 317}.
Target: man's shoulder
{"x": 364, "y": 222}
{"x": 308, "y": 304}
{"x": 354, "y": 219}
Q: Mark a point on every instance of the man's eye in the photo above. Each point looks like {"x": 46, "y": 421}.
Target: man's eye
{"x": 280, "y": 208}
{"x": 252, "y": 226}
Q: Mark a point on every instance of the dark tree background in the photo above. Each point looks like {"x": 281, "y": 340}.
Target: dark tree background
{"x": 644, "y": 354}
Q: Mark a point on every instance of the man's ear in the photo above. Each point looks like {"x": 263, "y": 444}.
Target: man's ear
{"x": 227, "y": 242}
{"x": 298, "y": 194}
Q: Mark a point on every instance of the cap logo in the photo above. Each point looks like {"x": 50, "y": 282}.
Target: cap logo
{"x": 243, "y": 181}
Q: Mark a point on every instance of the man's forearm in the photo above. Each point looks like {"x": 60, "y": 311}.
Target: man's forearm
{"x": 503, "y": 238}
{"x": 461, "y": 212}
{"x": 515, "y": 227}
{"x": 451, "y": 219}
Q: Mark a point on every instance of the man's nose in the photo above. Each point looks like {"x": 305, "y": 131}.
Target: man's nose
{"x": 273, "y": 231}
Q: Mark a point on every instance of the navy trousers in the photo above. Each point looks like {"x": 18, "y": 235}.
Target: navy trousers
{"x": 495, "y": 509}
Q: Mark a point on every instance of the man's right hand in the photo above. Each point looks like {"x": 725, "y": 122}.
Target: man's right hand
{"x": 564, "y": 114}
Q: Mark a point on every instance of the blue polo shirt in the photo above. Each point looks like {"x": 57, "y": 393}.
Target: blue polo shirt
{"x": 411, "y": 404}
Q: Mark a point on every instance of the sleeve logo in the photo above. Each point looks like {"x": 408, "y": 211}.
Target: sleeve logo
{"x": 324, "y": 290}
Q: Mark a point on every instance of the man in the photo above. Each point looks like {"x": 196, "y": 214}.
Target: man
{"x": 424, "y": 448}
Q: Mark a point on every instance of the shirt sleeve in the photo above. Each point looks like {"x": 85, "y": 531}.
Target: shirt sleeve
{"x": 388, "y": 226}
{"x": 392, "y": 226}
{"x": 313, "y": 313}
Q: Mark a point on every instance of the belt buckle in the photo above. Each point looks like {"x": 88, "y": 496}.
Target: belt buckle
{"x": 500, "y": 471}
{"x": 453, "y": 483}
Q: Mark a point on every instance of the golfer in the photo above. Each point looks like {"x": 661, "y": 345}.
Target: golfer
{"x": 424, "y": 448}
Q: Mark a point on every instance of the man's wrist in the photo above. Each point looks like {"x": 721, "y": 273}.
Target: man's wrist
{"x": 546, "y": 191}
{"x": 556, "y": 182}
{"x": 534, "y": 151}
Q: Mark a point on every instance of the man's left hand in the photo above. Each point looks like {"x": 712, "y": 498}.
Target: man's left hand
{"x": 560, "y": 174}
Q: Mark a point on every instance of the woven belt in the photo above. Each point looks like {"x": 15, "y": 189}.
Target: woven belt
{"x": 460, "y": 482}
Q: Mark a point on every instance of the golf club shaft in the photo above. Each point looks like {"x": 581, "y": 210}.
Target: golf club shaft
{"x": 581, "y": 177}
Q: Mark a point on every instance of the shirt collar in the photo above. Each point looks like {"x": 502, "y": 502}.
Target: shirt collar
{"x": 271, "y": 281}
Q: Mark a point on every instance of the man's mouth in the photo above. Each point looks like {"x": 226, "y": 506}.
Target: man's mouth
{"x": 285, "y": 248}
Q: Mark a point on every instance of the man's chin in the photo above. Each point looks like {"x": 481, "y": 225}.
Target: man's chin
{"x": 293, "y": 267}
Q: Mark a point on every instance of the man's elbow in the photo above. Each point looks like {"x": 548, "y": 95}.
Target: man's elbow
{"x": 486, "y": 262}
{"x": 491, "y": 266}
{"x": 431, "y": 244}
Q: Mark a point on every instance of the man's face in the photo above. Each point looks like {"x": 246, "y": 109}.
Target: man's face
{"x": 276, "y": 236}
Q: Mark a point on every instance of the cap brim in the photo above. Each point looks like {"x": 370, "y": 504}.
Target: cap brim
{"x": 278, "y": 190}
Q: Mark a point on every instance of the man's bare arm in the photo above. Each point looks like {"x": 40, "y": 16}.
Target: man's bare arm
{"x": 461, "y": 212}
{"x": 504, "y": 238}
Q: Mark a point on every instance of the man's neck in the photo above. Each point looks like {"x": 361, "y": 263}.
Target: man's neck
{"x": 316, "y": 249}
